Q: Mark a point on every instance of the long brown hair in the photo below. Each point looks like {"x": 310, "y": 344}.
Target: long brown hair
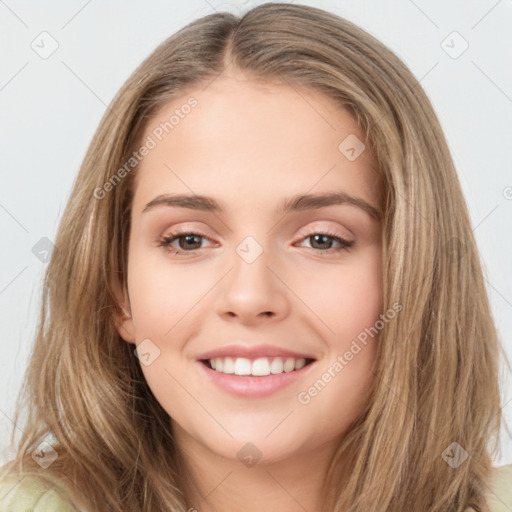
{"x": 435, "y": 393}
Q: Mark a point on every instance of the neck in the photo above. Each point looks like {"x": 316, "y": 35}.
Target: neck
{"x": 218, "y": 484}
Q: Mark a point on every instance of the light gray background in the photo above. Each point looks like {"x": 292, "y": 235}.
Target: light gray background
{"x": 51, "y": 107}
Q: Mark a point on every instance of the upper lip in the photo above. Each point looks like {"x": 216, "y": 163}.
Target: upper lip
{"x": 252, "y": 352}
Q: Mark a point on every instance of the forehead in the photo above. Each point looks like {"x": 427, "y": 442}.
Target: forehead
{"x": 276, "y": 139}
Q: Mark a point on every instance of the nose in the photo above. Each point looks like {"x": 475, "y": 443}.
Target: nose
{"x": 254, "y": 291}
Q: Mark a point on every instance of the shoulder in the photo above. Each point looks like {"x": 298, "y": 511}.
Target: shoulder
{"x": 500, "y": 492}
{"x": 28, "y": 493}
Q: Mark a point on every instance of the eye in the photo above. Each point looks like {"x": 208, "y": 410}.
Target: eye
{"x": 321, "y": 239}
{"x": 188, "y": 242}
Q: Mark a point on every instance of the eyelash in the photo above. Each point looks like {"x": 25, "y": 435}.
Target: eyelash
{"x": 166, "y": 241}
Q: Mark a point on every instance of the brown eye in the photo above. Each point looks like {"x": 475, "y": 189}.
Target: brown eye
{"x": 187, "y": 242}
{"x": 323, "y": 242}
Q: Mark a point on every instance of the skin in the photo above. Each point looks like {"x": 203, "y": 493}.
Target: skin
{"x": 250, "y": 146}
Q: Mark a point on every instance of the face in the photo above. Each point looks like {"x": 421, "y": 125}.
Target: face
{"x": 285, "y": 294}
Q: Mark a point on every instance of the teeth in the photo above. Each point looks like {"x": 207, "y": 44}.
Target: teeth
{"x": 260, "y": 367}
{"x": 276, "y": 366}
{"x": 242, "y": 366}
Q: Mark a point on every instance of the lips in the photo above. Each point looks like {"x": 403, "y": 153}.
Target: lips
{"x": 251, "y": 386}
{"x": 253, "y": 352}
{"x": 249, "y": 370}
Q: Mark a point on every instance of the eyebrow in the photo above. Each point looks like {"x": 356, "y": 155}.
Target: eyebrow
{"x": 296, "y": 203}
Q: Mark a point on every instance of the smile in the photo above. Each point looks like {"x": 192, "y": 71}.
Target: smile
{"x": 258, "y": 378}
{"x": 259, "y": 367}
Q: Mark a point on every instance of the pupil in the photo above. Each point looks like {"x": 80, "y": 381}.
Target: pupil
{"x": 322, "y": 236}
{"x": 187, "y": 239}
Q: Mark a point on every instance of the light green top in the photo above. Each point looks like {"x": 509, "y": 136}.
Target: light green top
{"x": 500, "y": 494}
{"x": 30, "y": 494}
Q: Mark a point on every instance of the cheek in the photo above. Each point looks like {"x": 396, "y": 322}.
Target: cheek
{"x": 350, "y": 306}
{"x": 162, "y": 294}
{"x": 359, "y": 305}
{"x": 347, "y": 299}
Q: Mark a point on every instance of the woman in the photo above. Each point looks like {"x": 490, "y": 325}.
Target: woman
{"x": 257, "y": 369}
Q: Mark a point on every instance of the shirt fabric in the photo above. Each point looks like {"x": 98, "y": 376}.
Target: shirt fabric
{"x": 31, "y": 494}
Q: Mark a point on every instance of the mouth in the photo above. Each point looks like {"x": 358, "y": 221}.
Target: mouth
{"x": 257, "y": 367}
{"x": 256, "y": 378}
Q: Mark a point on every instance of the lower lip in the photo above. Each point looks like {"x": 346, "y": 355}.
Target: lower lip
{"x": 249, "y": 386}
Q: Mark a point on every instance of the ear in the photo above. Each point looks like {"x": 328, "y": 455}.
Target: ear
{"x": 123, "y": 319}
